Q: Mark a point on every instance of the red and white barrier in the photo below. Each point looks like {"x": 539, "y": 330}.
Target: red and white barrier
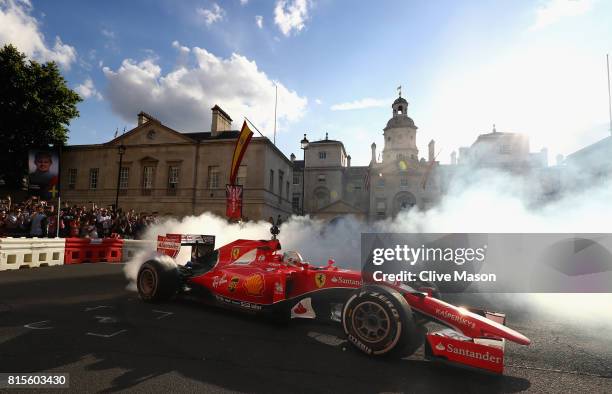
{"x": 18, "y": 253}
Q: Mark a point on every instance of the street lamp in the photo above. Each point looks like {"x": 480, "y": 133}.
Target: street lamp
{"x": 304, "y": 146}
{"x": 121, "y": 151}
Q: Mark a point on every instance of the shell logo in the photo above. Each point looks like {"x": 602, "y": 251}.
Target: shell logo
{"x": 254, "y": 285}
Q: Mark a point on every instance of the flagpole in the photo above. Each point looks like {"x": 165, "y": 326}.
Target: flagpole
{"x": 276, "y": 103}
{"x": 609, "y": 95}
{"x": 57, "y": 223}
{"x": 255, "y": 127}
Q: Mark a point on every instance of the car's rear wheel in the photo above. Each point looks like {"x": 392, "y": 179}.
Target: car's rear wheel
{"x": 379, "y": 322}
{"x": 157, "y": 281}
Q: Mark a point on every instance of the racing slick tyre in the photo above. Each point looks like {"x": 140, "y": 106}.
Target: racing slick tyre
{"x": 157, "y": 281}
{"x": 379, "y": 322}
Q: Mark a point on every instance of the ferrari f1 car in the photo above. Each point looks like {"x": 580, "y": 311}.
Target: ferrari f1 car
{"x": 378, "y": 318}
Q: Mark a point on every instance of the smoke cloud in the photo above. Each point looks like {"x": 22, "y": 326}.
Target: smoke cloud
{"x": 476, "y": 201}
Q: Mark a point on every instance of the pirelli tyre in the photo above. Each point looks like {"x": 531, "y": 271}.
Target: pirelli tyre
{"x": 379, "y": 322}
{"x": 157, "y": 281}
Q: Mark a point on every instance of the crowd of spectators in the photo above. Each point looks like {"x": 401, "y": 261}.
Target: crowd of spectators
{"x": 36, "y": 218}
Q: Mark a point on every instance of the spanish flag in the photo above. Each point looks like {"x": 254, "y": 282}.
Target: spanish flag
{"x": 241, "y": 145}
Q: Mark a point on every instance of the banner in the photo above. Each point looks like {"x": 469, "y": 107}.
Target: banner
{"x": 233, "y": 194}
{"x": 43, "y": 173}
{"x": 170, "y": 244}
{"x": 241, "y": 145}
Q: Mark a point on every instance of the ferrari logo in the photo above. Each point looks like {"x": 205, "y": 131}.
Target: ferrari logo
{"x": 233, "y": 283}
{"x": 235, "y": 253}
{"x": 320, "y": 280}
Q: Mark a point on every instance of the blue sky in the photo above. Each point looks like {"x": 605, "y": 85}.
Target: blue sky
{"x": 536, "y": 67}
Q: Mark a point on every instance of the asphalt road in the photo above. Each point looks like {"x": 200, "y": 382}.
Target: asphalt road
{"x": 82, "y": 320}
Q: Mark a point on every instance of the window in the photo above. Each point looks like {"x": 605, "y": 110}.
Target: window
{"x": 505, "y": 149}
{"x": 404, "y": 181}
{"x": 295, "y": 201}
{"x": 380, "y": 182}
{"x": 173, "y": 177}
{"x": 213, "y": 177}
{"x": 381, "y": 206}
{"x": 93, "y": 178}
{"x": 72, "y": 174}
{"x": 322, "y": 155}
{"x": 296, "y": 178}
{"x": 242, "y": 175}
{"x": 287, "y": 190}
{"x": 124, "y": 174}
{"x": 272, "y": 181}
{"x": 147, "y": 177}
{"x": 280, "y": 183}
{"x": 321, "y": 178}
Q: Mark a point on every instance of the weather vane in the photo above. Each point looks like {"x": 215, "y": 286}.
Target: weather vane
{"x": 399, "y": 89}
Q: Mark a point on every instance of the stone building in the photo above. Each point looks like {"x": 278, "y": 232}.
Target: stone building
{"x": 169, "y": 172}
{"x": 400, "y": 181}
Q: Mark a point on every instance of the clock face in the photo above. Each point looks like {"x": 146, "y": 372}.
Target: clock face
{"x": 151, "y": 134}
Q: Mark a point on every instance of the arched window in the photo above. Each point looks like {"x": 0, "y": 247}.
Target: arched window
{"x": 400, "y": 110}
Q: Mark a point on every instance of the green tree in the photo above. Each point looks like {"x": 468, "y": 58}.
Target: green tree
{"x": 36, "y": 107}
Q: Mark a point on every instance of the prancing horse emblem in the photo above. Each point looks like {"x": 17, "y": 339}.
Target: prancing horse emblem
{"x": 320, "y": 280}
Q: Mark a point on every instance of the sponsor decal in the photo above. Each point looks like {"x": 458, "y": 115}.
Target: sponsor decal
{"x": 254, "y": 285}
{"x": 346, "y": 281}
{"x": 303, "y": 310}
{"x": 261, "y": 258}
{"x": 363, "y": 347}
{"x": 320, "y": 280}
{"x": 448, "y": 315}
{"x": 241, "y": 304}
{"x": 450, "y": 348}
{"x": 235, "y": 253}
{"x": 218, "y": 281}
{"x": 233, "y": 283}
{"x": 278, "y": 288}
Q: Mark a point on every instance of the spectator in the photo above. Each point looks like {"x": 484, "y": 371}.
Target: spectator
{"x": 36, "y": 222}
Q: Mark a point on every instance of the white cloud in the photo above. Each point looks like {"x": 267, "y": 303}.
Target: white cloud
{"x": 259, "y": 21}
{"x": 215, "y": 14}
{"x": 183, "y": 97}
{"x": 20, "y": 28}
{"x": 108, "y": 33}
{"x": 554, "y": 10}
{"x": 361, "y": 104}
{"x": 87, "y": 89}
{"x": 244, "y": 2}
{"x": 318, "y": 101}
{"x": 291, "y": 15}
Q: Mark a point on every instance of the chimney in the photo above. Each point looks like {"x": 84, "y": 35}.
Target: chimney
{"x": 432, "y": 148}
{"x": 348, "y": 160}
{"x": 454, "y": 158}
{"x": 292, "y": 157}
{"x": 220, "y": 121}
{"x": 373, "y": 160}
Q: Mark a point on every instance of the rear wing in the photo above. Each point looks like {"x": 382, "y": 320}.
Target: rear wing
{"x": 170, "y": 244}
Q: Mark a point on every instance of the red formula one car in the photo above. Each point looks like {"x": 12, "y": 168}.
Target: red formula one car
{"x": 379, "y": 319}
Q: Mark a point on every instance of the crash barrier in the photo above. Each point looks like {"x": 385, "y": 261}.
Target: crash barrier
{"x": 18, "y": 253}
{"x": 133, "y": 246}
{"x": 93, "y": 250}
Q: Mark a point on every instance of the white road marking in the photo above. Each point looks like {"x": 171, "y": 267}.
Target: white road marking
{"x": 93, "y": 308}
{"x": 106, "y": 319}
{"x": 326, "y": 339}
{"x": 165, "y": 314}
{"x": 31, "y": 325}
{"x": 106, "y": 335}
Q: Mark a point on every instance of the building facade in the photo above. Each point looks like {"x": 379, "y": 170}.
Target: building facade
{"x": 173, "y": 173}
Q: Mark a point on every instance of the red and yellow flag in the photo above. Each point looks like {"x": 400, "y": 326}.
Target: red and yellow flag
{"x": 241, "y": 145}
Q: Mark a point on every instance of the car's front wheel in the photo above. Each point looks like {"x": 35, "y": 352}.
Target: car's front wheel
{"x": 379, "y": 322}
{"x": 157, "y": 281}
